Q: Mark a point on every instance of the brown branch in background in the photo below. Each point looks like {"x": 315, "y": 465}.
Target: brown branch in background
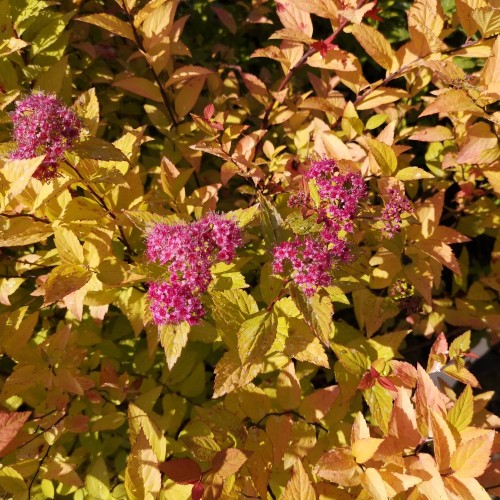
{"x": 156, "y": 76}
{"x": 38, "y": 470}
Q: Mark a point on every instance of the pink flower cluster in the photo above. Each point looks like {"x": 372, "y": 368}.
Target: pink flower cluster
{"x": 391, "y": 215}
{"x": 188, "y": 251}
{"x": 43, "y": 125}
{"x": 312, "y": 259}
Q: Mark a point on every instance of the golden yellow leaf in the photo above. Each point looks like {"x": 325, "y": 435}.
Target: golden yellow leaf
{"x": 466, "y": 488}
{"x": 376, "y": 46}
{"x": 452, "y": 101}
{"x": 173, "y": 338}
{"x": 299, "y": 486}
{"x": 364, "y": 449}
{"x": 140, "y": 86}
{"x": 381, "y": 96}
{"x": 110, "y": 23}
{"x": 372, "y": 482}
{"x": 397, "y": 483}
{"x": 359, "y": 428}
{"x": 471, "y": 457}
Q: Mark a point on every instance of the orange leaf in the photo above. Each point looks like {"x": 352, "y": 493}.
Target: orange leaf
{"x": 471, "y": 457}
{"x": 338, "y": 466}
{"x": 444, "y": 442}
{"x": 427, "y": 397}
{"x": 403, "y": 422}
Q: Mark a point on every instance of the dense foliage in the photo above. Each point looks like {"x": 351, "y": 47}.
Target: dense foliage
{"x": 247, "y": 248}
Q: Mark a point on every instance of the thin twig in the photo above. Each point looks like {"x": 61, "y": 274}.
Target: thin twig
{"x": 156, "y": 76}
{"x": 38, "y": 470}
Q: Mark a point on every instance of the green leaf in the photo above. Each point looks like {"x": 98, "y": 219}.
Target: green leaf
{"x": 460, "y": 345}
{"x": 272, "y": 223}
{"x": 351, "y": 359}
{"x": 375, "y": 121}
{"x": 317, "y": 311}
{"x": 460, "y": 416}
{"x": 174, "y": 338}
{"x": 11, "y": 481}
{"x": 380, "y": 402}
{"x": 230, "y": 373}
{"x": 413, "y": 174}
{"x": 50, "y": 33}
{"x": 230, "y": 309}
{"x": 270, "y": 285}
{"x": 256, "y": 336}
{"x": 97, "y": 479}
{"x": 384, "y": 155}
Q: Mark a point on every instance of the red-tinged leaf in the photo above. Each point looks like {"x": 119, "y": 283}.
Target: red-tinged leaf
{"x": 294, "y": 18}
{"x": 10, "y": 425}
{"x": 404, "y": 373}
{"x": 226, "y": 18}
{"x": 209, "y": 111}
{"x": 181, "y": 470}
{"x": 387, "y": 384}
{"x": 366, "y": 382}
{"x": 442, "y": 252}
{"x": 471, "y": 458}
{"x": 228, "y": 462}
{"x": 197, "y": 491}
{"x": 63, "y": 280}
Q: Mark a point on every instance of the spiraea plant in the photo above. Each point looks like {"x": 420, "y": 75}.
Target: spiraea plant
{"x": 249, "y": 249}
